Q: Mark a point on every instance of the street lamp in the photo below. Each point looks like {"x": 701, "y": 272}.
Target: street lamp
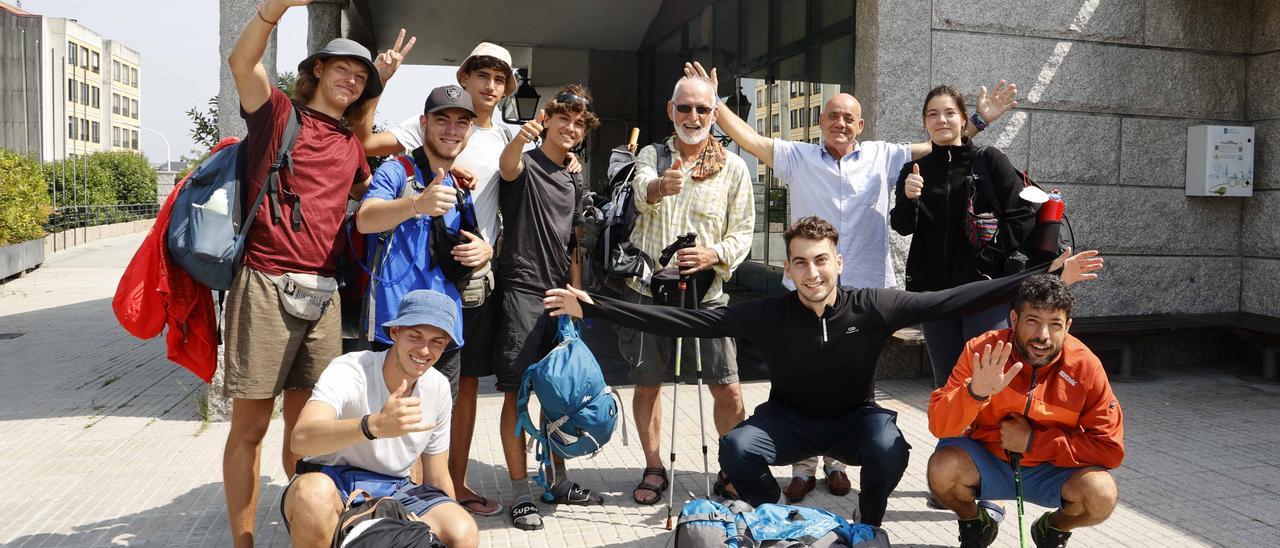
{"x": 526, "y": 99}
{"x": 168, "y": 156}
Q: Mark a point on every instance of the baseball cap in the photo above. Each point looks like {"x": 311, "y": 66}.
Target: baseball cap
{"x": 450, "y": 96}
{"x": 342, "y": 47}
{"x": 427, "y": 307}
{"x": 488, "y": 49}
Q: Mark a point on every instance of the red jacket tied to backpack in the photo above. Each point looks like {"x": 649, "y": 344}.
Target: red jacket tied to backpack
{"x": 154, "y": 292}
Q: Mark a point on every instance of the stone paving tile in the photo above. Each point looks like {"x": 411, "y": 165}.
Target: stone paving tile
{"x": 128, "y": 462}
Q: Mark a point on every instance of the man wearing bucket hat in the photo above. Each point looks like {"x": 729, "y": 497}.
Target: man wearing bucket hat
{"x": 487, "y": 77}
{"x": 270, "y": 351}
{"x": 370, "y": 417}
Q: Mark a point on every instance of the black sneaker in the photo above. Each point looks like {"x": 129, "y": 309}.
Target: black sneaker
{"x": 1045, "y": 535}
{"x": 978, "y": 532}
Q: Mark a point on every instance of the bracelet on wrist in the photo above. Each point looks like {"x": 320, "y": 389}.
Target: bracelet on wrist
{"x": 264, "y": 19}
{"x": 364, "y": 428}
{"x": 969, "y": 386}
{"x": 978, "y": 121}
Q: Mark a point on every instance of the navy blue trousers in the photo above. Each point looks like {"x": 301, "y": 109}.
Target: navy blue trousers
{"x": 777, "y": 435}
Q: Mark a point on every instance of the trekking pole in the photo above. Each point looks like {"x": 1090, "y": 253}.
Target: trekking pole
{"x": 1016, "y": 460}
{"x": 702, "y": 419}
{"x": 675, "y": 394}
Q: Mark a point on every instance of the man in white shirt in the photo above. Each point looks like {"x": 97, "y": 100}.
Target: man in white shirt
{"x": 849, "y": 183}
{"x": 347, "y": 445}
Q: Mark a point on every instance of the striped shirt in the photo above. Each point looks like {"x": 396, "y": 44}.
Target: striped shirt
{"x": 720, "y": 210}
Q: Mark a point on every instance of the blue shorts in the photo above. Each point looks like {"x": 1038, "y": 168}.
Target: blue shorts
{"x": 418, "y": 499}
{"x": 1041, "y": 484}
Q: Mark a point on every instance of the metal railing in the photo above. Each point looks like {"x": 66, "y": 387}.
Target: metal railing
{"x": 69, "y": 217}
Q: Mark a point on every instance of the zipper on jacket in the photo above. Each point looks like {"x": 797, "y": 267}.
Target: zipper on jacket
{"x": 824, "y": 329}
{"x": 1026, "y": 412}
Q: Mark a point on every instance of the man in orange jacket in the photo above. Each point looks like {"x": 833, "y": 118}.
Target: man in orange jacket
{"x": 1059, "y": 414}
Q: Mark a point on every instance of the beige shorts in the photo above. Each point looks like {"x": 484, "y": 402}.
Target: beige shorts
{"x": 267, "y": 350}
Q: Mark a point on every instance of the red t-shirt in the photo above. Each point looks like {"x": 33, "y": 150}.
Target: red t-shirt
{"x": 327, "y": 160}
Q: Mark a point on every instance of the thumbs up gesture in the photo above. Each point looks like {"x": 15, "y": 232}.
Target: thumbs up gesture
{"x": 399, "y": 416}
{"x": 672, "y": 180}
{"x": 437, "y": 199}
{"x": 914, "y": 184}
{"x": 532, "y": 129}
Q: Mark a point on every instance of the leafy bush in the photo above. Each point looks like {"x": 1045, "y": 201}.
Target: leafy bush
{"x": 134, "y": 179}
{"x": 79, "y": 182}
{"x": 24, "y": 205}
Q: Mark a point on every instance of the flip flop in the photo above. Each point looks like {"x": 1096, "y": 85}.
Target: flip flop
{"x": 657, "y": 490}
{"x": 723, "y": 488}
{"x": 574, "y": 494}
{"x": 480, "y": 506}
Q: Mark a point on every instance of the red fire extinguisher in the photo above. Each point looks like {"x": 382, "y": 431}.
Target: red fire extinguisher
{"x": 1049, "y": 225}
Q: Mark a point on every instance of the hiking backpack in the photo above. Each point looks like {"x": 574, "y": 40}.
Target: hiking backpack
{"x": 579, "y": 410}
{"x": 612, "y": 256}
{"x": 708, "y": 524}
{"x": 1027, "y": 253}
{"x": 209, "y": 226}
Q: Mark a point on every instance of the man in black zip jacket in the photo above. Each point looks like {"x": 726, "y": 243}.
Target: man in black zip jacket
{"x": 820, "y": 344}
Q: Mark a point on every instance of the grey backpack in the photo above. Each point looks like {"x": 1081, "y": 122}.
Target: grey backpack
{"x": 208, "y": 226}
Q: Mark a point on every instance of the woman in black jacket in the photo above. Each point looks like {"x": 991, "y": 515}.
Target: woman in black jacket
{"x": 933, "y": 198}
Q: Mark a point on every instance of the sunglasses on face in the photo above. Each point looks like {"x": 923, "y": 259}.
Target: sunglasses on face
{"x": 701, "y": 110}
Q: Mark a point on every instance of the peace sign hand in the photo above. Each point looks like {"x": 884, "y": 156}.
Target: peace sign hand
{"x": 989, "y": 376}
{"x": 388, "y": 61}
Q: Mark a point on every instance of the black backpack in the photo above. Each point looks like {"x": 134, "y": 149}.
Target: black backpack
{"x": 442, "y": 239}
{"x": 1028, "y": 252}
{"x": 612, "y": 258}
{"x": 397, "y": 529}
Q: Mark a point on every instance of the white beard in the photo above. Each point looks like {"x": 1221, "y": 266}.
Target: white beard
{"x": 692, "y": 137}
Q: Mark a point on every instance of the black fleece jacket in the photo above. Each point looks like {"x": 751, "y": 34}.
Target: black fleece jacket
{"x": 823, "y": 367}
{"x": 940, "y": 257}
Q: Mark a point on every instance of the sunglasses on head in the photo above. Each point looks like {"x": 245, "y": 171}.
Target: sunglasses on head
{"x": 701, "y": 109}
{"x": 573, "y": 99}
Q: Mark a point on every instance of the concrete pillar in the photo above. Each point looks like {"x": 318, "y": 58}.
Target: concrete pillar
{"x": 324, "y": 23}
{"x": 233, "y": 15}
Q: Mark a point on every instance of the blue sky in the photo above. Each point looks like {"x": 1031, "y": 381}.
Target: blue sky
{"x": 178, "y": 40}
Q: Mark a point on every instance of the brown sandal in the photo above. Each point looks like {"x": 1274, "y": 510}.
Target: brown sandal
{"x": 657, "y": 490}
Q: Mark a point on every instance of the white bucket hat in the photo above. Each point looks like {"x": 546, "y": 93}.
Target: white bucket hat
{"x": 487, "y": 49}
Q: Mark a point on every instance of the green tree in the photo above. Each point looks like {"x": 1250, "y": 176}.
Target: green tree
{"x": 76, "y": 182}
{"x": 24, "y": 205}
{"x": 134, "y": 178}
{"x": 286, "y": 83}
{"x": 204, "y": 130}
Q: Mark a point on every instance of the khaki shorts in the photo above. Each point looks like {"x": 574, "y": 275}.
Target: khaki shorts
{"x": 267, "y": 350}
{"x": 652, "y": 357}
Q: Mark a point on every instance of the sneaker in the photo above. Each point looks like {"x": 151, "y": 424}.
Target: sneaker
{"x": 978, "y": 532}
{"x": 1045, "y": 535}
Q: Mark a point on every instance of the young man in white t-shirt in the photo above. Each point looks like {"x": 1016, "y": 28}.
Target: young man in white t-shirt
{"x": 347, "y": 445}
{"x": 487, "y": 77}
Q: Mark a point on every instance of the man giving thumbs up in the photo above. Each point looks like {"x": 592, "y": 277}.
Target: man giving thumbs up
{"x": 371, "y": 416}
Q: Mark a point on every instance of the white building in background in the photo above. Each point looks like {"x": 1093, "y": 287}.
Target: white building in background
{"x": 76, "y": 91}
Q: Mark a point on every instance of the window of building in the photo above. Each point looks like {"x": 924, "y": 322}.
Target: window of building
{"x": 115, "y": 136}
{"x": 84, "y": 93}
{"x": 814, "y": 115}
{"x": 71, "y": 53}
{"x": 133, "y": 77}
{"x": 73, "y": 127}
{"x": 84, "y": 130}
{"x": 96, "y": 92}
{"x": 135, "y": 107}
{"x": 84, "y": 57}
{"x": 760, "y": 126}
{"x": 96, "y": 128}
{"x": 115, "y": 70}
{"x": 73, "y": 91}
{"x": 795, "y": 118}
{"x": 134, "y": 134}
{"x": 95, "y": 62}
{"x": 776, "y": 127}
{"x": 115, "y": 103}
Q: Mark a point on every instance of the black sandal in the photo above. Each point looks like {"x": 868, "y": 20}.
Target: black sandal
{"x": 571, "y": 493}
{"x": 525, "y": 516}
{"x": 722, "y": 488}
{"x": 657, "y": 490}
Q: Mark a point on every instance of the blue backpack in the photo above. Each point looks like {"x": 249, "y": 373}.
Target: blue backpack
{"x": 208, "y": 226}
{"x": 579, "y": 410}
{"x": 706, "y": 524}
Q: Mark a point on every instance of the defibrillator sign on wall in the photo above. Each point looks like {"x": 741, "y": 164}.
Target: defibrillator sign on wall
{"x": 1220, "y": 161}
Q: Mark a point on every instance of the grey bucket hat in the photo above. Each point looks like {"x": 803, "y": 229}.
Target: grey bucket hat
{"x": 342, "y": 47}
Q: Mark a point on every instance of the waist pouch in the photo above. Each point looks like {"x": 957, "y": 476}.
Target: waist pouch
{"x": 477, "y": 287}
{"x": 304, "y": 296}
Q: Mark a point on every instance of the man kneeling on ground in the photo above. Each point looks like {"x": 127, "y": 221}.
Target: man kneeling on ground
{"x": 344, "y": 440}
{"x": 1059, "y": 414}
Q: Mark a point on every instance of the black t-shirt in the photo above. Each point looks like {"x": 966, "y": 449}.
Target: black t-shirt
{"x": 539, "y": 210}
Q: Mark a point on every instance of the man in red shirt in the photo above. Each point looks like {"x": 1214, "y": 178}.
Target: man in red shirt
{"x": 1059, "y": 414}
{"x": 282, "y": 310}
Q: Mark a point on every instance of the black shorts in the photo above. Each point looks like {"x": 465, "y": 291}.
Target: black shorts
{"x": 525, "y": 334}
{"x": 478, "y": 325}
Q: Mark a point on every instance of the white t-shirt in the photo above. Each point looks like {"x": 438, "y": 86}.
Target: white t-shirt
{"x": 353, "y": 385}
{"x": 480, "y": 157}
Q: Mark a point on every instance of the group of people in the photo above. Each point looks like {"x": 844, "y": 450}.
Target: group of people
{"x": 470, "y": 249}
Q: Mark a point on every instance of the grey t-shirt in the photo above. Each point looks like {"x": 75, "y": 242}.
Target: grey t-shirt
{"x": 539, "y": 210}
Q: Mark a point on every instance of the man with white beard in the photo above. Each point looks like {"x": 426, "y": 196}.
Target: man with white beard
{"x": 706, "y": 191}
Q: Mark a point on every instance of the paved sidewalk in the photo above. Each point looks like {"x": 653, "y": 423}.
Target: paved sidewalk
{"x": 102, "y": 445}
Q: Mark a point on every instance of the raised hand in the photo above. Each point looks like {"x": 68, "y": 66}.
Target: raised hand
{"x": 914, "y": 184}
{"x": 532, "y": 129}
{"x": 566, "y": 301}
{"x": 285, "y": 4}
{"x": 695, "y": 70}
{"x": 399, "y": 416}
{"x": 992, "y": 107}
{"x": 389, "y": 61}
{"x": 989, "y": 375}
{"x": 437, "y": 199}
{"x": 672, "y": 181}
{"x": 1079, "y": 267}
{"x": 473, "y": 253}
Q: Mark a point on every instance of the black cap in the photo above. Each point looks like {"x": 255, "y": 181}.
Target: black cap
{"x": 450, "y": 96}
{"x": 342, "y": 47}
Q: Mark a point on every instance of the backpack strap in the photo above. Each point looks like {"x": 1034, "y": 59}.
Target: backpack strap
{"x": 284, "y": 158}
